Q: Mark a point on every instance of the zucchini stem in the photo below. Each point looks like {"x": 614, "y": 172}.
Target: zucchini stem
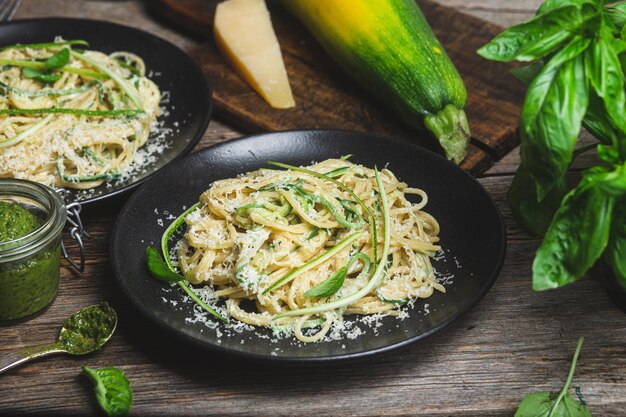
{"x": 451, "y": 129}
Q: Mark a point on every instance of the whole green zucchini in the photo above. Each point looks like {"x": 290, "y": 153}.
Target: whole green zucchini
{"x": 388, "y": 47}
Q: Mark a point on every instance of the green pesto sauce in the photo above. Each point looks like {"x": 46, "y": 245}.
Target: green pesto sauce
{"x": 29, "y": 284}
{"x": 87, "y": 330}
{"x": 16, "y": 221}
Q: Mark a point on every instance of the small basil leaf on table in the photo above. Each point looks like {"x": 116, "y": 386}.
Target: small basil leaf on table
{"x": 548, "y": 404}
{"x": 158, "y": 268}
{"x": 615, "y": 254}
{"x": 112, "y": 390}
{"x": 35, "y": 74}
{"x": 534, "y": 38}
{"x": 552, "y": 115}
{"x": 59, "y": 59}
{"x": 577, "y": 236}
{"x": 542, "y": 404}
{"x": 534, "y": 215}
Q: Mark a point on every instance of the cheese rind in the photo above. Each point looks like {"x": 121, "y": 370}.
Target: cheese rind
{"x": 245, "y": 36}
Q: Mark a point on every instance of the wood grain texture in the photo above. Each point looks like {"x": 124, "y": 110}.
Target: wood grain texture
{"x": 513, "y": 342}
{"x": 327, "y": 98}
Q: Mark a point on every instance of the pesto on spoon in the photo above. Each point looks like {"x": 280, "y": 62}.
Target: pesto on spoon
{"x": 82, "y": 333}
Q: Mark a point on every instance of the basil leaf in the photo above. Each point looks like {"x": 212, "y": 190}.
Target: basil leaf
{"x": 329, "y": 286}
{"x": 528, "y": 73}
{"x": 534, "y": 38}
{"x": 158, "y": 268}
{"x": 530, "y": 213}
{"x": 617, "y": 14}
{"x": 37, "y": 75}
{"x": 552, "y": 115}
{"x": 577, "y": 236}
{"x": 112, "y": 390}
{"x": 615, "y": 254}
{"x": 550, "y": 5}
{"x": 540, "y": 404}
{"x": 59, "y": 59}
{"x": 546, "y": 404}
{"x": 597, "y": 122}
{"x": 604, "y": 72}
{"x": 608, "y": 154}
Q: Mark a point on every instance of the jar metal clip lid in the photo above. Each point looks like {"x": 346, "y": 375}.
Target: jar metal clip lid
{"x": 77, "y": 232}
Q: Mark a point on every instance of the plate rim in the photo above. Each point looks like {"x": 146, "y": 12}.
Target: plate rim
{"x": 195, "y": 67}
{"x": 349, "y": 357}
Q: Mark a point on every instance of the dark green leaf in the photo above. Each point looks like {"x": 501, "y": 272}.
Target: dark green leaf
{"x": 540, "y": 404}
{"x": 604, "y": 71}
{"x": 550, "y": 5}
{"x": 608, "y": 154}
{"x": 612, "y": 182}
{"x": 577, "y": 236}
{"x": 537, "y": 404}
{"x": 597, "y": 122}
{"x": 329, "y": 286}
{"x": 528, "y": 73}
{"x": 158, "y": 268}
{"x": 112, "y": 390}
{"x": 552, "y": 115}
{"x": 59, "y": 59}
{"x": 617, "y": 14}
{"x": 615, "y": 254}
{"x": 534, "y": 38}
{"x": 529, "y": 212}
{"x": 40, "y": 76}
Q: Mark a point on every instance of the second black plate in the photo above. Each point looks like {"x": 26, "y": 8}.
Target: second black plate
{"x": 472, "y": 235}
{"x": 186, "y": 94}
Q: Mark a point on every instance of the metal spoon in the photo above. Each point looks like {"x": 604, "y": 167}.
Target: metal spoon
{"x": 23, "y": 355}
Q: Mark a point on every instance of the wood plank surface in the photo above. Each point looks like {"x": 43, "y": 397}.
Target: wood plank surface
{"x": 328, "y": 98}
{"x": 513, "y": 342}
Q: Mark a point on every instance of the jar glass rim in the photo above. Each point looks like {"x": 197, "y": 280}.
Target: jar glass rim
{"x": 52, "y": 204}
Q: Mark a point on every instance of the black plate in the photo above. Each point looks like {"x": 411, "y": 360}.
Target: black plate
{"x": 174, "y": 71}
{"x": 472, "y": 234}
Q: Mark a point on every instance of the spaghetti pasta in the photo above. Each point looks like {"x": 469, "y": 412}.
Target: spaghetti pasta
{"x": 299, "y": 248}
{"x": 71, "y": 118}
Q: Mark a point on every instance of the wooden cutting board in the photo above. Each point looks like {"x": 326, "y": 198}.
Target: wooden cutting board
{"x": 328, "y": 98}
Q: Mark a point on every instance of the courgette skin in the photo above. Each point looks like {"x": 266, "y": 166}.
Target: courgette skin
{"x": 389, "y": 48}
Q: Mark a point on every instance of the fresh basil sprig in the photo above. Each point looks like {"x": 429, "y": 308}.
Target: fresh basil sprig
{"x": 41, "y": 76}
{"x": 158, "y": 268}
{"x": 333, "y": 284}
{"x": 112, "y": 390}
{"x": 552, "y": 404}
{"x": 329, "y": 286}
{"x": 164, "y": 271}
{"x": 576, "y": 51}
{"x": 58, "y": 60}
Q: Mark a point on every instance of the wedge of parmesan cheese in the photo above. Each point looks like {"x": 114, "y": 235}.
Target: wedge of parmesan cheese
{"x": 246, "y": 38}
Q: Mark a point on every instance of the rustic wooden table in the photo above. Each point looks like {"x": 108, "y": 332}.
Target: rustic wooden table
{"x": 513, "y": 342}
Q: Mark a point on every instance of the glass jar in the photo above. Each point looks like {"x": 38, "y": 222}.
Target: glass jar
{"x": 30, "y": 264}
